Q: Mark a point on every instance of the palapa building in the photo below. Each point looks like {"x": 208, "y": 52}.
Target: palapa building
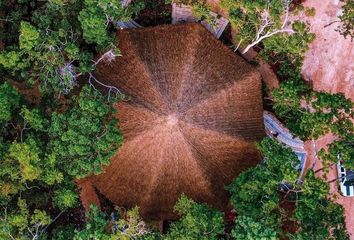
{"x": 194, "y": 113}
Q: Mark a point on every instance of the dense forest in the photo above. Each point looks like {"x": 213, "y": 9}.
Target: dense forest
{"x": 57, "y": 126}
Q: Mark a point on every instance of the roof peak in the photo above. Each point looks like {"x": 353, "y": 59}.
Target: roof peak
{"x": 194, "y": 113}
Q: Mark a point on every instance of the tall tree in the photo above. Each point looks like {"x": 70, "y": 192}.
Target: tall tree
{"x": 198, "y": 221}
{"x": 44, "y": 147}
{"x": 268, "y": 22}
{"x": 56, "y": 40}
{"x": 260, "y": 193}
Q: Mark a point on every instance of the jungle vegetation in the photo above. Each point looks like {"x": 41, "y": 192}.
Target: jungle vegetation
{"x": 56, "y": 127}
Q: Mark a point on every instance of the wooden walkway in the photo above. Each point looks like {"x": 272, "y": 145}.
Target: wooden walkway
{"x": 130, "y": 23}
{"x": 183, "y": 13}
{"x": 274, "y": 128}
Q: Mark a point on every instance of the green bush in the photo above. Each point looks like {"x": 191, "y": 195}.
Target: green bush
{"x": 198, "y": 221}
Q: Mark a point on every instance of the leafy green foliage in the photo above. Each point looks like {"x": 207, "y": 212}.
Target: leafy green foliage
{"x": 64, "y": 232}
{"x": 318, "y": 216}
{"x": 84, "y": 136}
{"x": 20, "y": 164}
{"x": 96, "y": 227}
{"x": 340, "y": 149}
{"x": 33, "y": 118}
{"x": 267, "y": 22}
{"x": 310, "y": 114}
{"x": 99, "y": 226}
{"x": 198, "y": 221}
{"x": 282, "y": 47}
{"x": 245, "y": 16}
{"x": 96, "y": 16}
{"x": 131, "y": 226}
{"x": 49, "y": 55}
{"x": 65, "y": 198}
{"x": 10, "y": 59}
{"x": 202, "y": 12}
{"x": 57, "y": 42}
{"x": 36, "y": 169}
{"x": 254, "y": 19}
{"x": 347, "y": 20}
{"x": 9, "y": 100}
{"x": 255, "y": 192}
{"x": 29, "y": 36}
{"x": 258, "y": 194}
{"x": 247, "y": 229}
{"x": 21, "y": 223}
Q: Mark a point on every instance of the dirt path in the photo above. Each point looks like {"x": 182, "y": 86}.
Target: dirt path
{"x": 329, "y": 63}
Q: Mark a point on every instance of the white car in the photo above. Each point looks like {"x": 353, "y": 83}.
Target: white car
{"x": 346, "y": 181}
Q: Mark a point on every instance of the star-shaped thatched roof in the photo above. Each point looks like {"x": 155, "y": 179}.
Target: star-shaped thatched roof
{"x": 190, "y": 126}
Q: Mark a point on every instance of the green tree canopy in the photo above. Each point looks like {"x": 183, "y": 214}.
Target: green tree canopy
{"x": 260, "y": 193}
{"x": 84, "y": 136}
{"x": 53, "y": 42}
{"x": 44, "y": 147}
{"x": 198, "y": 221}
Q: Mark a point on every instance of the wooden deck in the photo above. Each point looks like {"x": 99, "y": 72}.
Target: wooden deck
{"x": 183, "y": 13}
{"x": 274, "y": 128}
{"x": 129, "y": 24}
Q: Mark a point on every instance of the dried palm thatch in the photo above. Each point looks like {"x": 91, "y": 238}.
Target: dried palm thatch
{"x": 190, "y": 126}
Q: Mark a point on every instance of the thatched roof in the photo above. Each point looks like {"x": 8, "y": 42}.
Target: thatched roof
{"x": 190, "y": 126}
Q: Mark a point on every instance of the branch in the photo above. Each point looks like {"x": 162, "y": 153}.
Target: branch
{"x": 339, "y": 178}
{"x": 329, "y": 24}
{"x": 6, "y": 20}
{"x": 238, "y": 45}
{"x": 267, "y": 22}
{"x": 67, "y": 73}
{"x": 5, "y": 226}
{"x": 287, "y": 4}
{"x": 107, "y": 56}
{"x": 110, "y": 87}
{"x": 52, "y": 221}
{"x": 24, "y": 128}
{"x": 267, "y": 36}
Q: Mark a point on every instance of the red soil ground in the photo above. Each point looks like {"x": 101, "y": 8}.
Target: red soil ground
{"x": 329, "y": 63}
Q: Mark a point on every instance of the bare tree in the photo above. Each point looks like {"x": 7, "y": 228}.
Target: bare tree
{"x": 267, "y": 23}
